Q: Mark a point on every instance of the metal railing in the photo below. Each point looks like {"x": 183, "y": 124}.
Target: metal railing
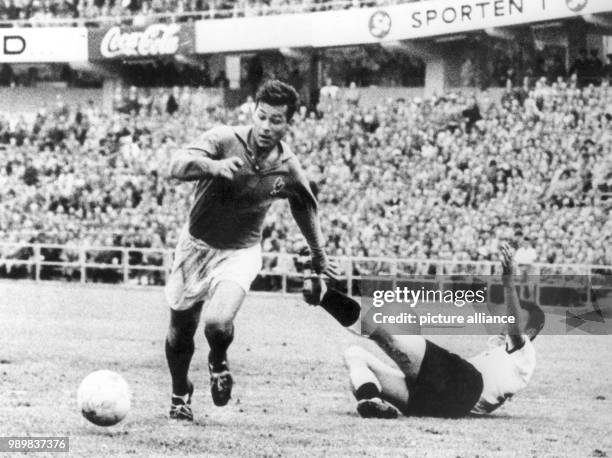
{"x": 280, "y": 273}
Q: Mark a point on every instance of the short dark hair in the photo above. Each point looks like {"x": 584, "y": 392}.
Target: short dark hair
{"x": 276, "y": 93}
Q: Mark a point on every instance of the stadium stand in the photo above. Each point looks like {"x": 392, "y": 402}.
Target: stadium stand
{"x": 58, "y": 12}
{"x": 443, "y": 178}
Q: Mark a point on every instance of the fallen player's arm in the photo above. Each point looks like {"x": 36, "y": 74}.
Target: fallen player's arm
{"x": 515, "y": 333}
{"x": 512, "y": 309}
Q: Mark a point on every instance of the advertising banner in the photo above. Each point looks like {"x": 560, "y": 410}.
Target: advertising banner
{"x": 43, "y": 44}
{"x": 136, "y": 43}
{"x": 373, "y": 25}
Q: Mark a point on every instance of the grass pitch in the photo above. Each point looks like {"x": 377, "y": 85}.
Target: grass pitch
{"x": 291, "y": 395}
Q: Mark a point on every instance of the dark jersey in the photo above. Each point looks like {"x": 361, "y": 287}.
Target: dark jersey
{"x": 229, "y": 214}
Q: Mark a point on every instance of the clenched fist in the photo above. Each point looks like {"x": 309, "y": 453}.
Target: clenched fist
{"x": 227, "y": 168}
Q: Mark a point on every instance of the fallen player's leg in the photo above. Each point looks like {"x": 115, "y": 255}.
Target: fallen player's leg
{"x": 435, "y": 382}
{"x": 407, "y": 351}
{"x": 444, "y": 385}
{"x": 374, "y": 383}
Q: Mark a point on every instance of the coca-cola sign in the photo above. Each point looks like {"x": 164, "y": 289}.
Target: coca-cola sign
{"x": 154, "y": 40}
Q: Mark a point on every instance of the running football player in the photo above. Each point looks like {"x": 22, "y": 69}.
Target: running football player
{"x": 238, "y": 173}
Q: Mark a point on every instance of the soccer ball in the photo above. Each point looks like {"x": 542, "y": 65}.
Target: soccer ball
{"x": 104, "y": 398}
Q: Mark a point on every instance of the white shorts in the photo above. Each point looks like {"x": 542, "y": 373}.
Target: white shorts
{"x": 198, "y": 268}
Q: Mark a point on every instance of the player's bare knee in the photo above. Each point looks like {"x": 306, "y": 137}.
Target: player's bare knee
{"x": 214, "y": 327}
{"x": 217, "y": 322}
{"x": 352, "y": 354}
{"x": 219, "y": 317}
{"x": 410, "y": 344}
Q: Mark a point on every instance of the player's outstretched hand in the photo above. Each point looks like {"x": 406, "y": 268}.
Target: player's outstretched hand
{"x": 507, "y": 261}
{"x": 332, "y": 270}
{"x": 313, "y": 288}
{"x": 227, "y": 168}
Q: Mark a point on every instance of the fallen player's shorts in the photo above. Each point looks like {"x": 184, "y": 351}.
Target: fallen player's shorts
{"x": 198, "y": 268}
{"x": 447, "y": 385}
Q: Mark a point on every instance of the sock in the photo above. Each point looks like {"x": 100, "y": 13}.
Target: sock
{"x": 184, "y": 398}
{"x": 367, "y": 391}
{"x": 179, "y": 360}
{"x": 219, "y": 340}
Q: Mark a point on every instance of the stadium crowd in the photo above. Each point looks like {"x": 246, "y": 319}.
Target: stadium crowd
{"x": 44, "y": 12}
{"x": 443, "y": 178}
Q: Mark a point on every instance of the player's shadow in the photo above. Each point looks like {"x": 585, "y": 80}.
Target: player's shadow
{"x": 492, "y": 417}
{"x": 97, "y": 431}
{"x": 496, "y": 416}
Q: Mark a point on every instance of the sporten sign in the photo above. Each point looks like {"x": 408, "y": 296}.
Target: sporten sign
{"x": 374, "y": 25}
{"x": 44, "y": 44}
{"x": 134, "y": 43}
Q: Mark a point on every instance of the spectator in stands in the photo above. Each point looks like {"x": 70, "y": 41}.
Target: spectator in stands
{"x": 12, "y": 11}
{"x": 594, "y": 67}
{"x": 328, "y": 96}
{"x": 555, "y": 69}
{"x": 352, "y": 94}
{"x": 172, "y": 104}
{"x": 329, "y": 90}
{"x": 580, "y": 68}
{"x": 468, "y": 74}
{"x": 248, "y": 107}
{"x": 221, "y": 80}
{"x": 7, "y": 76}
{"x": 525, "y": 257}
{"x": 472, "y": 115}
{"x": 607, "y": 69}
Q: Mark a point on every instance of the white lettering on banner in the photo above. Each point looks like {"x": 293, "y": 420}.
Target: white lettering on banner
{"x": 404, "y": 21}
{"x": 155, "y": 40}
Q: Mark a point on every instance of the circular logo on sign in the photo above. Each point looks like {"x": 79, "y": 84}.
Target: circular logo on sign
{"x": 576, "y": 5}
{"x": 380, "y": 24}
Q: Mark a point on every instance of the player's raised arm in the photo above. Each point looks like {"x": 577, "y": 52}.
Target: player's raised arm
{"x": 202, "y": 160}
{"x": 511, "y": 299}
